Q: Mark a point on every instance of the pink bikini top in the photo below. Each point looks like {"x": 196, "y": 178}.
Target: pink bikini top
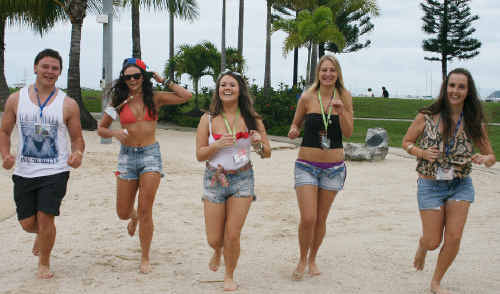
{"x": 127, "y": 116}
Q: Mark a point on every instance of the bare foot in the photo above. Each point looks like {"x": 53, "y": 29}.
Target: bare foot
{"x": 44, "y": 272}
{"x": 436, "y": 289}
{"x": 132, "y": 224}
{"x": 145, "y": 267}
{"x": 419, "y": 260}
{"x": 230, "y": 284}
{"x": 214, "y": 262}
{"x": 36, "y": 248}
{"x": 313, "y": 269}
{"x": 298, "y": 273}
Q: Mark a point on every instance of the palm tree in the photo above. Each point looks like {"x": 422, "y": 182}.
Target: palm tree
{"x": 267, "y": 66}
{"x": 75, "y": 11}
{"x": 240, "y": 26}
{"x": 186, "y": 9}
{"x": 223, "y": 45}
{"x": 34, "y": 14}
{"x": 196, "y": 61}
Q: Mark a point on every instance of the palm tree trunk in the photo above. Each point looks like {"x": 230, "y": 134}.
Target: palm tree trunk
{"x": 171, "y": 42}
{"x": 136, "y": 30}
{"x": 195, "y": 87}
{"x": 321, "y": 49}
{"x": 308, "y": 68}
{"x": 74, "y": 89}
{"x": 295, "y": 66}
{"x": 223, "y": 45}
{"x": 240, "y": 27}
{"x": 314, "y": 61}
{"x": 4, "y": 88}
{"x": 267, "y": 67}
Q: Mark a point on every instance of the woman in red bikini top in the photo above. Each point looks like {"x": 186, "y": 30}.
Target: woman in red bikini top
{"x": 139, "y": 161}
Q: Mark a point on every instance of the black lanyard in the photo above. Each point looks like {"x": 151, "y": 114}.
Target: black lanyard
{"x": 42, "y": 106}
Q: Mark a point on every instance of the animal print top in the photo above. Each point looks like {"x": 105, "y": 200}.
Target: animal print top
{"x": 459, "y": 157}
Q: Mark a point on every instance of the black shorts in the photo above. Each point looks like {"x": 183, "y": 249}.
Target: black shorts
{"x": 39, "y": 194}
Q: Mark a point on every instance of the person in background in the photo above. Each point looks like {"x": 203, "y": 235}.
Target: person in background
{"x": 447, "y": 131}
{"x": 385, "y": 93}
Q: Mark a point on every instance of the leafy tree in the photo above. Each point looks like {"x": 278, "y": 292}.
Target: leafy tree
{"x": 196, "y": 61}
{"x": 75, "y": 11}
{"x": 185, "y": 9}
{"x": 310, "y": 29}
{"x": 34, "y": 14}
{"x": 450, "y": 22}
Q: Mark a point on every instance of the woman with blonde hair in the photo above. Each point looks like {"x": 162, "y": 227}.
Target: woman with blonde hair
{"x": 320, "y": 172}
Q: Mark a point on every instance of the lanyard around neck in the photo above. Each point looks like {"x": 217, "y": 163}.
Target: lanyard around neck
{"x": 325, "y": 119}
{"x": 452, "y": 142}
{"x": 42, "y": 106}
{"x": 235, "y": 123}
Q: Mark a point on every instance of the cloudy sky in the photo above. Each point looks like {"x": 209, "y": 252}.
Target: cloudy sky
{"x": 395, "y": 58}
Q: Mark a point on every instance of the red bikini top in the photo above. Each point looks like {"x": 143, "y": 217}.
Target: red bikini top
{"x": 239, "y": 135}
{"x": 127, "y": 116}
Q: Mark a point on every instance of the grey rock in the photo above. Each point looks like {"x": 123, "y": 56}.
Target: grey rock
{"x": 375, "y": 148}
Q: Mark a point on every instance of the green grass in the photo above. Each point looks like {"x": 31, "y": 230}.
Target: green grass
{"x": 397, "y": 129}
{"x": 92, "y": 100}
{"x": 407, "y": 108}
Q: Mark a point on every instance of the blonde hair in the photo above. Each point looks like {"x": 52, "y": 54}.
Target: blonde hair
{"x": 339, "y": 83}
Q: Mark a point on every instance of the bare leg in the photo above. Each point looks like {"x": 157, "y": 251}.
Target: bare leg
{"x": 148, "y": 185}
{"x": 324, "y": 204}
{"x": 215, "y": 217}
{"x": 125, "y": 200}
{"x": 30, "y": 225}
{"x": 432, "y": 227}
{"x": 456, "y": 216}
{"x": 236, "y": 213}
{"x": 46, "y": 239}
{"x": 307, "y": 198}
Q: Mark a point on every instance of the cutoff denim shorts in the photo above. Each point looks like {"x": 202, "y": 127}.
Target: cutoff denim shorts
{"x": 331, "y": 179}
{"x": 134, "y": 161}
{"x": 432, "y": 194}
{"x": 241, "y": 184}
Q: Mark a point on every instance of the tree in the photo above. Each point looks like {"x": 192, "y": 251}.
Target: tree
{"x": 450, "y": 22}
{"x": 267, "y": 66}
{"x": 75, "y": 11}
{"x": 241, "y": 17}
{"x": 196, "y": 61}
{"x": 310, "y": 29}
{"x": 223, "y": 38}
{"x": 34, "y": 14}
{"x": 186, "y": 9}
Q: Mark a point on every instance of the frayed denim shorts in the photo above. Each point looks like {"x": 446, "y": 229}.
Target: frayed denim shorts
{"x": 432, "y": 194}
{"x": 241, "y": 184}
{"x": 331, "y": 179}
{"x": 134, "y": 161}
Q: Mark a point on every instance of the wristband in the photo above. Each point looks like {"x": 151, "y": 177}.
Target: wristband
{"x": 168, "y": 82}
{"x": 409, "y": 148}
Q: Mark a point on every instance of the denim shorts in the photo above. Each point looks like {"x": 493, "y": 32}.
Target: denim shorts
{"x": 241, "y": 184}
{"x": 331, "y": 179}
{"x": 432, "y": 194}
{"x": 134, "y": 161}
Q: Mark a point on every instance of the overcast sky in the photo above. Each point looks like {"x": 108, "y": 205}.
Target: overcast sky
{"x": 395, "y": 59}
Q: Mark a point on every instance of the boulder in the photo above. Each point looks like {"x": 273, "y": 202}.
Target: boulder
{"x": 375, "y": 148}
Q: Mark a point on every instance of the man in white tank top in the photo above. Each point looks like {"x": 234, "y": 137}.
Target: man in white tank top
{"x": 47, "y": 121}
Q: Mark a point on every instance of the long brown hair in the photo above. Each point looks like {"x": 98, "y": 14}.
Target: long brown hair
{"x": 245, "y": 101}
{"x": 473, "y": 115}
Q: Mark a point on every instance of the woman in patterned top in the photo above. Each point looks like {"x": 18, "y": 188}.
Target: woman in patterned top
{"x": 447, "y": 129}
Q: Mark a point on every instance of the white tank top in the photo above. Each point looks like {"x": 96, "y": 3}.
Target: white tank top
{"x": 224, "y": 157}
{"x": 43, "y": 140}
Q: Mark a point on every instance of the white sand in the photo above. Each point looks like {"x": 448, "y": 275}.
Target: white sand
{"x": 371, "y": 235}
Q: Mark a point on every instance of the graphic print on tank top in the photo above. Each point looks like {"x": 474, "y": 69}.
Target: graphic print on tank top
{"x": 39, "y": 139}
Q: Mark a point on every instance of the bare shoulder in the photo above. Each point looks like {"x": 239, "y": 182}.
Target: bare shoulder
{"x": 70, "y": 106}
{"x": 12, "y": 102}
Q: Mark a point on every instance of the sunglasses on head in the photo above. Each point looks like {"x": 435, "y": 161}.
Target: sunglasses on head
{"x": 136, "y": 76}
{"x": 228, "y": 71}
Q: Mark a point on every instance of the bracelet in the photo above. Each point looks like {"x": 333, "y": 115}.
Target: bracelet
{"x": 409, "y": 148}
{"x": 78, "y": 152}
{"x": 168, "y": 82}
{"x": 260, "y": 149}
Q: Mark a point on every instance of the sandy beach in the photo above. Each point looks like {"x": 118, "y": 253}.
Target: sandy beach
{"x": 371, "y": 236}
